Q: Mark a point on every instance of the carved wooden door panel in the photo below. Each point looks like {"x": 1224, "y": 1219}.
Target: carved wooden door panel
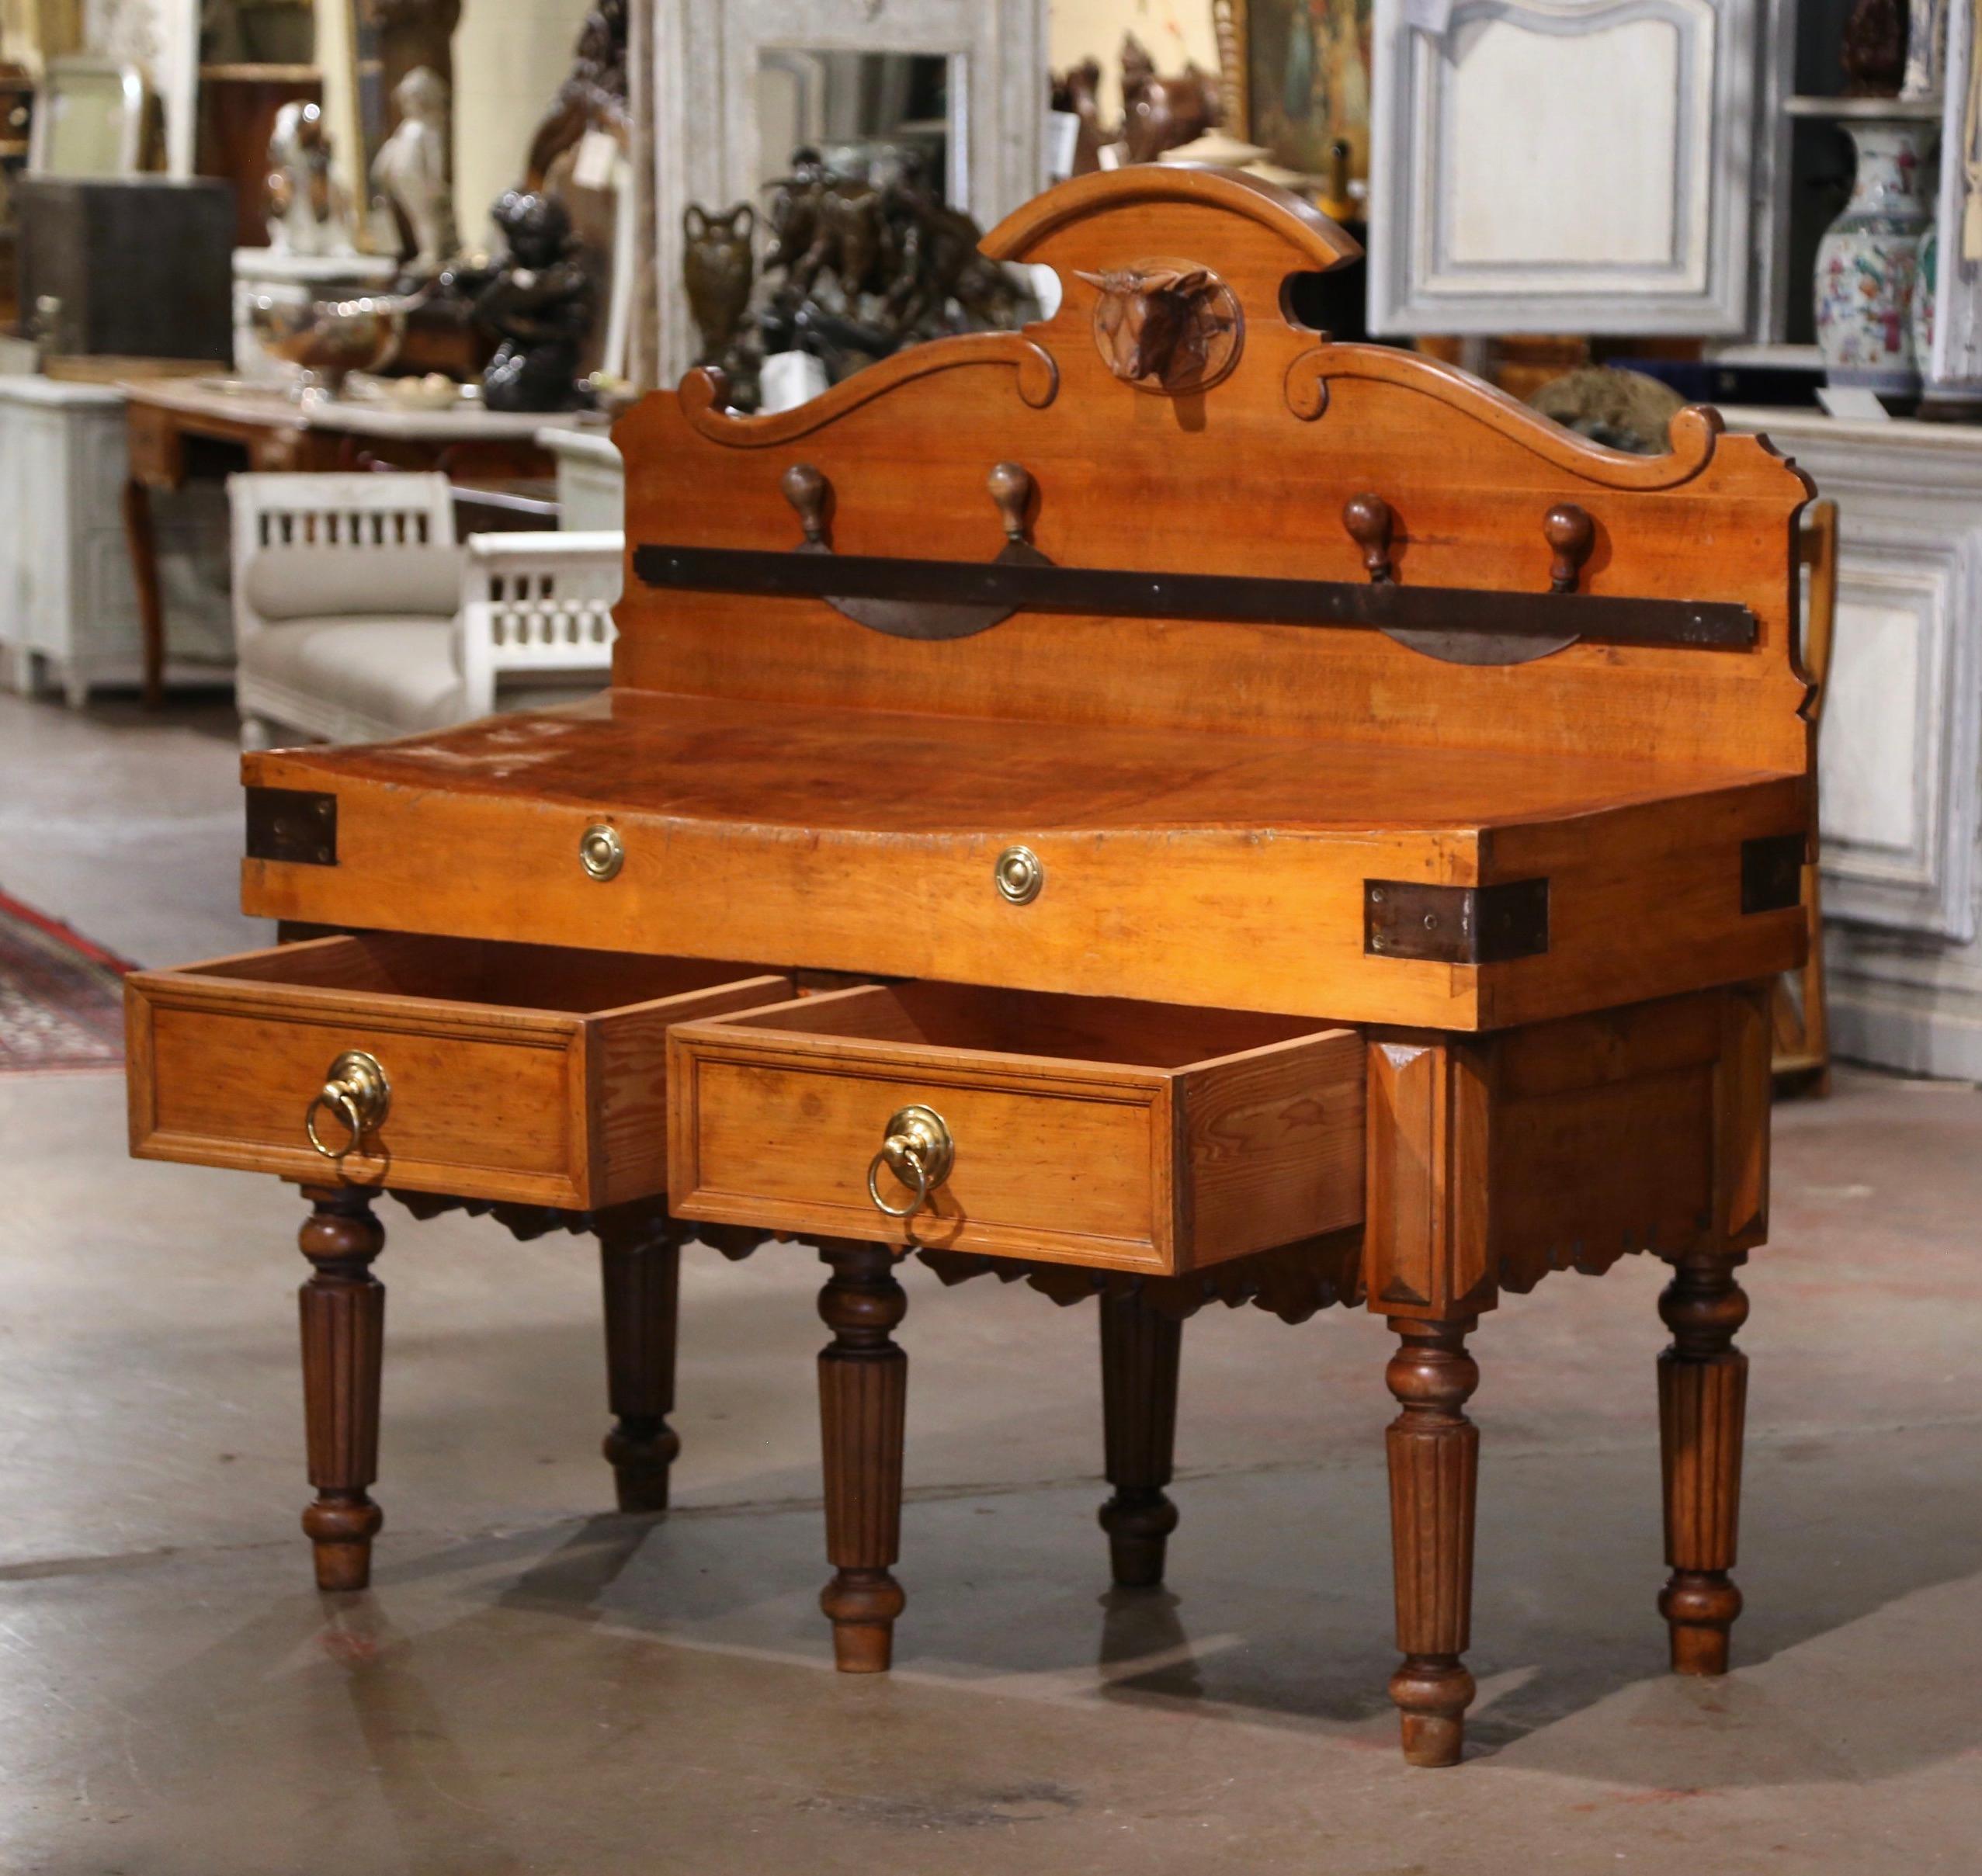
{"x": 1567, "y": 166}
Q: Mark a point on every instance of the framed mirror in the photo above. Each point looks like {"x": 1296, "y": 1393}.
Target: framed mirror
{"x": 738, "y": 85}
{"x": 875, "y": 115}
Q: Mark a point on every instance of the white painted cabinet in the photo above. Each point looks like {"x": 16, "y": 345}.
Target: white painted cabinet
{"x": 1568, "y": 166}
{"x": 69, "y": 606}
{"x": 1900, "y": 756}
{"x": 592, "y": 482}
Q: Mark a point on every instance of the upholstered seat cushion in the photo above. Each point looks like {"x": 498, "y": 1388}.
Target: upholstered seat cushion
{"x": 396, "y": 672}
{"x": 286, "y": 582}
{"x": 548, "y": 687}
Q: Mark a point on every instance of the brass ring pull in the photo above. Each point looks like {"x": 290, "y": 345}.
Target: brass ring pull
{"x": 356, "y": 1091}
{"x": 918, "y": 1151}
{"x": 339, "y": 1099}
{"x": 913, "y": 1162}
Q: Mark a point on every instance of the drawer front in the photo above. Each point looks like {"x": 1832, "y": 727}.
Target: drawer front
{"x": 564, "y": 1106}
{"x": 1103, "y": 1132}
{"x": 1070, "y": 1171}
{"x": 473, "y": 1116}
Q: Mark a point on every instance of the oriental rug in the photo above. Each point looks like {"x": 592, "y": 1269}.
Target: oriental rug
{"x": 61, "y": 999}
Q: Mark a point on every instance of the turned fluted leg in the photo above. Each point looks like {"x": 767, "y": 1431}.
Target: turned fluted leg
{"x": 864, "y": 1398}
{"x": 1435, "y": 1463}
{"x": 1138, "y": 1352}
{"x": 640, "y": 1263}
{"x": 343, "y": 1311}
{"x": 1702, "y": 1399}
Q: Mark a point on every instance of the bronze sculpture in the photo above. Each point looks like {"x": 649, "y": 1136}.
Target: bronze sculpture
{"x": 593, "y": 95}
{"x": 538, "y": 301}
{"x": 1157, "y": 113}
{"x": 1160, "y": 113}
{"x": 1077, "y": 92}
{"x": 719, "y": 266}
{"x": 855, "y": 269}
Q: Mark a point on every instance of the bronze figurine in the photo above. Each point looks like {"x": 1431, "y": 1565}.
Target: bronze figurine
{"x": 719, "y": 267}
{"x": 856, "y": 269}
{"x": 1159, "y": 113}
{"x": 1077, "y": 92}
{"x": 539, "y": 301}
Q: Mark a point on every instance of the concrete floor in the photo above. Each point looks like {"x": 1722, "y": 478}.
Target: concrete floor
{"x": 534, "y": 1686}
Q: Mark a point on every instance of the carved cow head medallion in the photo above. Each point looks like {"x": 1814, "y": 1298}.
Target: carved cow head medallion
{"x": 1166, "y": 326}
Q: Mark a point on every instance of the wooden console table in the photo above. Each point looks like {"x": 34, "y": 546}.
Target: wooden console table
{"x": 1218, "y": 816}
{"x": 182, "y": 426}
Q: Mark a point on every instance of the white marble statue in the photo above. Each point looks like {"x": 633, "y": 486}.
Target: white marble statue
{"x": 410, "y": 170}
{"x": 309, "y": 212}
{"x": 1926, "y": 49}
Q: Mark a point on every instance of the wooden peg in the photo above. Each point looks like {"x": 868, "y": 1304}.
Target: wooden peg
{"x": 1370, "y": 524}
{"x": 1570, "y": 534}
{"x": 1011, "y": 486}
{"x": 808, "y": 491}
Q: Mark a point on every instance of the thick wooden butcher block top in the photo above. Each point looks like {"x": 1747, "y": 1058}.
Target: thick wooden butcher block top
{"x": 1305, "y": 812}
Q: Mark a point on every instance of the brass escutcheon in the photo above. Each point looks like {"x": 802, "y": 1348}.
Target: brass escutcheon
{"x": 356, "y": 1091}
{"x": 918, "y": 1151}
{"x": 1020, "y": 874}
{"x": 600, "y": 851}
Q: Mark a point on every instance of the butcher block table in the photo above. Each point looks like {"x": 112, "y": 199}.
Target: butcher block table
{"x": 1158, "y": 805}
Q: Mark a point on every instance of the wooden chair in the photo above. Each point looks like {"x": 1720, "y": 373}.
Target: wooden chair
{"x": 536, "y": 609}
{"x": 359, "y": 617}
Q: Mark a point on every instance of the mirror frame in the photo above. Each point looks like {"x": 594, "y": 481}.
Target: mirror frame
{"x": 703, "y": 101}
{"x": 131, "y": 84}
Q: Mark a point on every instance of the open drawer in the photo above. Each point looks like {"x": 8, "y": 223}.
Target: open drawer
{"x": 1069, "y": 1129}
{"x": 516, "y": 1071}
